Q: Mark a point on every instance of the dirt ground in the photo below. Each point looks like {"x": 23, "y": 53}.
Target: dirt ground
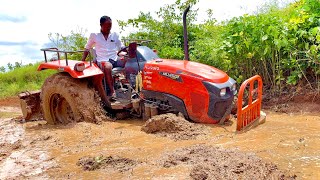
{"x": 165, "y": 147}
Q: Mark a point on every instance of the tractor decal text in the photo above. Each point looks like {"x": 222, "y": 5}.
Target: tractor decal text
{"x": 175, "y": 77}
{"x": 153, "y": 68}
{"x": 147, "y": 81}
{"x": 148, "y": 77}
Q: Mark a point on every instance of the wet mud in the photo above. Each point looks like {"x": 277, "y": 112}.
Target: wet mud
{"x": 110, "y": 162}
{"x": 19, "y": 155}
{"x": 285, "y": 147}
{"x": 175, "y": 127}
{"x": 7, "y": 148}
{"x": 209, "y": 162}
{"x": 75, "y": 95}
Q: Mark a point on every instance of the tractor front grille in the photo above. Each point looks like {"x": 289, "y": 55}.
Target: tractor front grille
{"x": 218, "y": 104}
{"x": 218, "y": 110}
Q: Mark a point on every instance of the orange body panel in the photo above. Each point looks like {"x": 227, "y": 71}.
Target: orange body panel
{"x": 61, "y": 66}
{"x": 183, "y": 79}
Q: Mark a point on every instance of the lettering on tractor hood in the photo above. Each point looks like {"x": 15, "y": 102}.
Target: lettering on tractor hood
{"x": 172, "y": 76}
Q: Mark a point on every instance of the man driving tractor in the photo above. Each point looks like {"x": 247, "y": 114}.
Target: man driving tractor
{"x": 106, "y": 44}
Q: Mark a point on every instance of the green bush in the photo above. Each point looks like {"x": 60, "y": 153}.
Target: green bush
{"x": 23, "y": 78}
{"x": 280, "y": 44}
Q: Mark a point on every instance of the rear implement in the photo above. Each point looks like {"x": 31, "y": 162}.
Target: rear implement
{"x": 30, "y": 105}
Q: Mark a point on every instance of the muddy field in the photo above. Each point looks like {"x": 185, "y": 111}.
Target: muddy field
{"x": 287, "y": 146}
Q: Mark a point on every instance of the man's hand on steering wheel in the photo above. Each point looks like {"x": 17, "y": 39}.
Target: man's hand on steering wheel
{"x": 123, "y": 50}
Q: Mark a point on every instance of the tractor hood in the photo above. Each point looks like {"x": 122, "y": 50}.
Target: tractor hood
{"x": 205, "y": 72}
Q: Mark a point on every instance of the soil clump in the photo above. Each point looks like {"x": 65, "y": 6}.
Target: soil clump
{"x": 209, "y": 162}
{"x": 110, "y": 162}
{"x": 174, "y": 127}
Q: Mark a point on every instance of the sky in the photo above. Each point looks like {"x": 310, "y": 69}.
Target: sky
{"x": 25, "y": 24}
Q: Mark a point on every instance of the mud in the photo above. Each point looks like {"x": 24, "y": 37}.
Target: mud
{"x": 286, "y": 146}
{"x": 6, "y": 149}
{"x": 19, "y": 157}
{"x": 175, "y": 127}
{"x": 93, "y": 108}
{"x": 209, "y": 162}
{"x": 100, "y": 162}
{"x": 297, "y": 99}
{"x": 10, "y": 138}
{"x": 83, "y": 101}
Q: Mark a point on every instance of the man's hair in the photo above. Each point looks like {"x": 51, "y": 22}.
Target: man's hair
{"x": 104, "y": 19}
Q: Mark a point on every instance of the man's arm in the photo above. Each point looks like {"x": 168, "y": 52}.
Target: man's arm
{"x": 88, "y": 46}
{"x": 85, "y": 55}
{"x": 119, "y": 43}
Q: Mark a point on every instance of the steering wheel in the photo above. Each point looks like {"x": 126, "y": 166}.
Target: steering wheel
{"x": 125, "y": 49}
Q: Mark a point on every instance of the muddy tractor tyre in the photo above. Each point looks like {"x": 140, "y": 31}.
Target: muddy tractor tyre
{"x": 65, "y": 100}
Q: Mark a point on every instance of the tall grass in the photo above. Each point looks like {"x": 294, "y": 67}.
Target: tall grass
{"x": 25, "y": 78}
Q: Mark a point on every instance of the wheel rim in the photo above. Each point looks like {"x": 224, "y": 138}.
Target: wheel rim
{"x": 60, "y": 109}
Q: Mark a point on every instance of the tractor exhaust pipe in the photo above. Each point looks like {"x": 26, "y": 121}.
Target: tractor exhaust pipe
{"x": 185, "y": 34}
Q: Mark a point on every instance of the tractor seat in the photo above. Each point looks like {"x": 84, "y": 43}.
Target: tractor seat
{"x": 117, "y": 70}
{"x": 114, "y": 70}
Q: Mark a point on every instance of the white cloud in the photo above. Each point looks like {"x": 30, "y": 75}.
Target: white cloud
{"x": 38, "y": 18}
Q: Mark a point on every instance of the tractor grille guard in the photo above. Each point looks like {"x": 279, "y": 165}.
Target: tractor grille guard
{"x": 45, "y": 50}
{"x": 251, "y": 114}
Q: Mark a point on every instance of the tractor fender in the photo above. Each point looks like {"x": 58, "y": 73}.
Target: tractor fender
{"x": 69, "y": 67}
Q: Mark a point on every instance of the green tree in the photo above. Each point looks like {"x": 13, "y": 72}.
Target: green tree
{"x": 10, "y": 66}
{"x": 2, "y": 69}
{"x": 17, "y": 65}
{"x": 280, "y": 44}
{"x": 73, "y": 42}
{"x": 165, "y": 31}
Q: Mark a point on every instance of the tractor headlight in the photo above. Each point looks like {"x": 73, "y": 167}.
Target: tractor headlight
{"x": 234, "y": 89}
{"x": 223, "y": 92}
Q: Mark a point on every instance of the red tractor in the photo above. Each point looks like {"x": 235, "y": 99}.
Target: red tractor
{"x": 146, "y": 86}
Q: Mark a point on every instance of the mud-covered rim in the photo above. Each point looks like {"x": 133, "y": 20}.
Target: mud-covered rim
{"x": 60, "y": 110}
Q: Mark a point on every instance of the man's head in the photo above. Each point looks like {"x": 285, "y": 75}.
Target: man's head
{"x": 106, "y": 24}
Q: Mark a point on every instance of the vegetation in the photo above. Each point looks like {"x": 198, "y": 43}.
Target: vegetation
{"x": 22, "y": 78}
{"x": 281, "y": 45}
{"x": 73, "y": 42}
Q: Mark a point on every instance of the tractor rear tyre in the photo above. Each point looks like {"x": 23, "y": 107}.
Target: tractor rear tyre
{"x": 65, "y": 100}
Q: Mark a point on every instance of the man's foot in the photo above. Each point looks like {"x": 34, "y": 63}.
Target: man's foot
{"x": 113, "y": 97}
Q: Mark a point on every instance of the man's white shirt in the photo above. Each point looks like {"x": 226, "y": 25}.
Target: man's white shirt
{"x": 105, "y": 49}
